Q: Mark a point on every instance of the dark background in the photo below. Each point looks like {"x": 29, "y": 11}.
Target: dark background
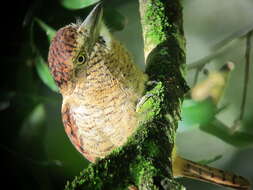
{"x": 36, "y": 153}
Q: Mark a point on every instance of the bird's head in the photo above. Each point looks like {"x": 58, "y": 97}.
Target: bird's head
{"x": 72, "y": 46}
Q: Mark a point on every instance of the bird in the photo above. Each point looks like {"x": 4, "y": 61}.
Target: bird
{"x": 99, "y": 83}
{"x": 101, "y": 87}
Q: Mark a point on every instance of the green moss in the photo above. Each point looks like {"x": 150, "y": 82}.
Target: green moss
{"x": 140, "y": 168}
{"x": 152, "y": 148}
{"x": 156, "y": 21}
{"x": 180, "y": 40}
{"x": 146, "y": 172}
{"x": 151, "y": 108}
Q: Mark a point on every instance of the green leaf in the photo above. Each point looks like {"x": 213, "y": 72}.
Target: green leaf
{"x": 209, "y": 161}
{"x": 226, "y": 134}
{"x": 77, "y": 4}
{"x": 198, "y": 112}
{"x": 44, "y": 73}
{"x": 32, "y": 124}
{"x": 114, "y": 19}
{"x": 50, "y": 32}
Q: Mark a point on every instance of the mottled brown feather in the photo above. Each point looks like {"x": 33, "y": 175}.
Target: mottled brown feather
{"x": 61, "y": 50}
{"x": 100, "y": 95}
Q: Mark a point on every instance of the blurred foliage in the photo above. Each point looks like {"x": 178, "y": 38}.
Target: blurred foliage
{"x": 197, "y": 112}
{"x": 37, "y": 153}
{"x": 77, "y": 4}
{"x": 238, "y": 139}
{"x": 50, "y": 32}
{"x": 44, "y": 73}
{"x": 114, "y": 20}
{"x": 205, "y": 162}
{"x": 201, "y": 110}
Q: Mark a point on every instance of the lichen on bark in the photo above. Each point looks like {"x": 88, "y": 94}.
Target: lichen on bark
{"x": 145, "y": 160}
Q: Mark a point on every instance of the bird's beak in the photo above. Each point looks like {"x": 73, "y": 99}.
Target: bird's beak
{"x": 92, "y": 24}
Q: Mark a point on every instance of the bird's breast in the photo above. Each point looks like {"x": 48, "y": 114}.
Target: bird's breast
{"x": 102, "y": 106}
{"x": 102, "y": 122}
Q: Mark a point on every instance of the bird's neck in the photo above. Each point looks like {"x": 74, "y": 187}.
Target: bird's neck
{"x": 108, "y": 69}
{"x": 104, "y": 71}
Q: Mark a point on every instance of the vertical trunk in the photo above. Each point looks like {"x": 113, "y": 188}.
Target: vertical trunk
{"x": 145, "y": 160}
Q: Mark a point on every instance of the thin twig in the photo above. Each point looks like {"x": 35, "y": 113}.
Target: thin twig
{"x": 196, "y": 76}
{"x": 237, "y": 122}
{"x": 219, "y": 48}
{"x": 246, "y": 75}
{"x": 203, "y": 61}
{"x": 237, "y": 34}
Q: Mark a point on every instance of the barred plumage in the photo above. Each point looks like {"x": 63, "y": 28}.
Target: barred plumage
{"x": 99, "y": 95}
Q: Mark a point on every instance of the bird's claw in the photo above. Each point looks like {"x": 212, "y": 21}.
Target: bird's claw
{"x": 142, "y": 100}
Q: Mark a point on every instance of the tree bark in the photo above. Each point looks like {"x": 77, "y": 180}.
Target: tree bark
{"x": 145, "y": 160}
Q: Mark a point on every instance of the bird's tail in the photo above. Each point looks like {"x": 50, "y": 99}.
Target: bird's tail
{"x": 187, "y": 168}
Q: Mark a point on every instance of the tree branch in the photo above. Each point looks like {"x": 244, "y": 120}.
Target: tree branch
{"x": 145, "y": 160}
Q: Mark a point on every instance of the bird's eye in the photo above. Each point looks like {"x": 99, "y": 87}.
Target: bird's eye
{"x": 81, "y": 59}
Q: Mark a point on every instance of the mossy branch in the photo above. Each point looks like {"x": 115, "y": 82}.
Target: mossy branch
{"x": 145, "y": 160}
